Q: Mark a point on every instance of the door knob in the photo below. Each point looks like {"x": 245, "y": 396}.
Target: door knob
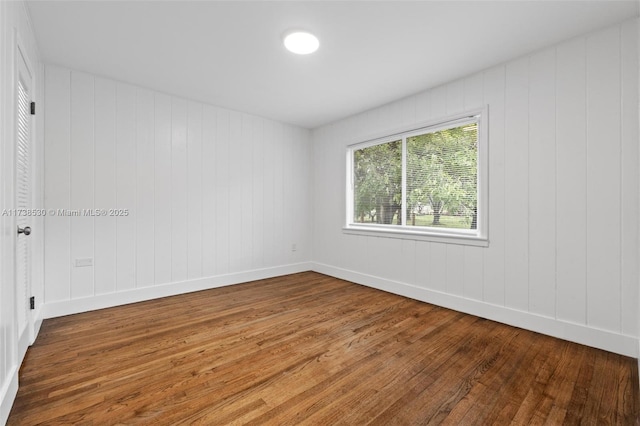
{"x": 26, "y": 230}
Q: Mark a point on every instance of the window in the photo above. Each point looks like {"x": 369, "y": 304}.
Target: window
{"x": 428, "y": 183}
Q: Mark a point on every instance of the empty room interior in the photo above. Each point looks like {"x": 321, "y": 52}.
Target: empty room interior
{"x": 323, "y": 212}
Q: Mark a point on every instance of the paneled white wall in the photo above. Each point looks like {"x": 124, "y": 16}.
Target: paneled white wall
{"x": 563, "y": 137}
{"x": 16, "y": 30}
{"x": 214, "y": 196}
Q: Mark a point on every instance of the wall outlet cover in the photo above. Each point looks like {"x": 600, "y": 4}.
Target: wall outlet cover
{"x": 84, "y": 262}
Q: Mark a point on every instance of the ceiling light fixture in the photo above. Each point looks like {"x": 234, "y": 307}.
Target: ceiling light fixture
{"x": 301, "y": 42}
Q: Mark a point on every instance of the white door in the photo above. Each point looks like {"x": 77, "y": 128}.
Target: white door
{"x": 23, "y": 202}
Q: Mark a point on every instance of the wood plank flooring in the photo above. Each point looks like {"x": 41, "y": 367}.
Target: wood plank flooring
{"x": 313, "y": 350}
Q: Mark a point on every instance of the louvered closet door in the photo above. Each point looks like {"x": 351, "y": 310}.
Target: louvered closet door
{"x": 23, "y": 194}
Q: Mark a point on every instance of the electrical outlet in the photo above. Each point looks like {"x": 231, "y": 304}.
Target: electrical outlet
{"x": 84, "y": 262}
{"x": 294, "y": 247}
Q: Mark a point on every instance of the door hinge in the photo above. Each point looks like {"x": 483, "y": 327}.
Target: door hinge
{"x": 33, "y": 108}
{"x": 32, "y": 302}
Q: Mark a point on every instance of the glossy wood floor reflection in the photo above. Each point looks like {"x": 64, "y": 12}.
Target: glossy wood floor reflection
{"x": 310, "y": 349}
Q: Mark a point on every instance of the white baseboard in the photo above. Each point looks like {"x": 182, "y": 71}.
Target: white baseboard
{"x": 8, "y": 394}
{"x": 24, "y": 340}
{"x": 579, "y": 333}
{"x": 68, "y": 307}
{"x": 37, "y": 324}
{"x": 602, "y": 339}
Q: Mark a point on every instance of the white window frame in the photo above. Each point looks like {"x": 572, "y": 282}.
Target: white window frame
{"x": 477, "y": 237}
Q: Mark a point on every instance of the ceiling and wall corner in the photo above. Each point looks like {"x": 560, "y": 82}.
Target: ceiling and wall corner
{"x": 230, "y": 54}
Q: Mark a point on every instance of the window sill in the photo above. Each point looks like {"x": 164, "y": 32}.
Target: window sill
{"x": 408, "y": 234}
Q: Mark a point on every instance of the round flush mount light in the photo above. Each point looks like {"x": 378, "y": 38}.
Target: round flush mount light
{"x": 301, "y": 42}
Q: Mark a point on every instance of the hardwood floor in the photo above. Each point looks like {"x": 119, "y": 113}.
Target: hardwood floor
{"x": 311, "y": 349}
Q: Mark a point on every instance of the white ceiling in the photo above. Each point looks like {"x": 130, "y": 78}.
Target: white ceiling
{"x": 230, "y": 53}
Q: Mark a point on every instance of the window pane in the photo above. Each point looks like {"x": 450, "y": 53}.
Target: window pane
{"x": 442, "y": 183}
{"x": 378, "y": 184}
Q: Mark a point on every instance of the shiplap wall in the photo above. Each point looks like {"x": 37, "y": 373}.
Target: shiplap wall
{"x": 563, "y": 210}
{"x": 215, "y": 196}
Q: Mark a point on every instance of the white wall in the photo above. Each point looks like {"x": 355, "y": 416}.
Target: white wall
{"x": 15, "y": 28}
{"x": 563, "y": 214}
{"x": 215, "y": 196}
